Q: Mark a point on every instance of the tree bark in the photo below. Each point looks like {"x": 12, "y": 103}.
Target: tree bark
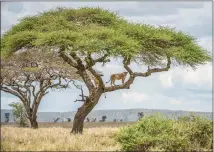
{"x": 78, "y": 123}
{"x": 33, "y": 124}
{"x": 83, "y": 111}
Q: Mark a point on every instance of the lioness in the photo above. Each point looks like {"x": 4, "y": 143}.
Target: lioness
{"x": 118, "y": 76}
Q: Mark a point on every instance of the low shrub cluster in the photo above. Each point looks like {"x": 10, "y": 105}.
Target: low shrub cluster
{"x": 188, "y": 133}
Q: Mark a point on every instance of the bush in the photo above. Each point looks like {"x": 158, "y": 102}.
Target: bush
{"x": 161, "y": 133}
{"x": 19, "y": 113}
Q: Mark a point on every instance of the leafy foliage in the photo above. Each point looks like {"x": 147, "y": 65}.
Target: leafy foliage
{"x": 94, "y": 30}
{"x": 27, "y": 69}
{"x": 159, "y": 132}
{"x": 19, "y": 113}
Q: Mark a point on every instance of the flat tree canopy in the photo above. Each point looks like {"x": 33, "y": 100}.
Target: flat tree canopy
{"x": 94, "y": 30}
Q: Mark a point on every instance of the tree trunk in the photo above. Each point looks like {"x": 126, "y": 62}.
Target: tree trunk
{"x": 33, "y": 124}
{"x": 78, "y": 124}
{"x": 82, "y": 112}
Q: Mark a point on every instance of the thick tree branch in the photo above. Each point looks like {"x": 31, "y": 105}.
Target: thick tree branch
{"x": 16, "y": 87}
{"x": 102, "y": 59}
{"x": 68, "y": 59}
{"x": 15, "y": 93}
{"x": 86, "y": 79}
{"x": 90, "y": 64}
{"x": 33, "y": 91}
{"x": 154, "y": 70}
{"x": 82, "y": 71}
{"x": 126, "y": 62}
{"x": 127, "y": 84}
{"x": 78, "y": 65}
{"x": 38, "y": 97}
{"x": 78, "y": 60}
{"x": 84, "y": 98}
{"x": 97, "y": 76}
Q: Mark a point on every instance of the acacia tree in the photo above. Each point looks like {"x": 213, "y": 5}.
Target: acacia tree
{"x": 87, "y": 36}
{"x": 30, "y": 79}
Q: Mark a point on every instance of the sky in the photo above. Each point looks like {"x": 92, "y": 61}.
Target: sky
{"x": 177, "y": 89}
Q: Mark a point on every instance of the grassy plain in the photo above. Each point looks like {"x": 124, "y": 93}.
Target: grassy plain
{"x": 57, "y": 137}
{"x": 100, "y": 136}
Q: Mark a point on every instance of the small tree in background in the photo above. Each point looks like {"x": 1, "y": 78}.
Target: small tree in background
{"x": 69, "y": 119}
{"x": 140, "y": 115}
{"x": 7, "y": 117}
{"x": 94, "y": 119}
{"x": 103, "y": 119}
{"x": 87, "y": 119}
{"x": 30, "y": 78}
{"x": 19, "y": 113}
{"x": 56, "y": 119}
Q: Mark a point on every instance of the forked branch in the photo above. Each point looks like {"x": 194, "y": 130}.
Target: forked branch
{"x": 154, "y": 70}
{"x": 127, "y": 84}
{"x": 84, "y": 98}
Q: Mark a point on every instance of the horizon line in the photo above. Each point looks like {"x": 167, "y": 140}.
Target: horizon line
{"x": 126, "y": 109}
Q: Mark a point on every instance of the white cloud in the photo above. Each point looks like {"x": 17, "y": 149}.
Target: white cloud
{"x": 175, "y": 101}
{"x": 178, "y": 101}
{"x": 112, "y": 66}
{"x": 134, "y": 97}
{"x": 197, "y": 18}
{"x": 161, "y": 101}
{"x": 206, "y": 43}
{"x": 193, "y": 102}
{"x": 201, "y": 77}
{"x": 166, "y": 80}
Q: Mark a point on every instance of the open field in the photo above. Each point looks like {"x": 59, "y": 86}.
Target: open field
{"x": 57, "y": 139}
{"x": 100, "y": 136}
{"x": 56, "y": 136}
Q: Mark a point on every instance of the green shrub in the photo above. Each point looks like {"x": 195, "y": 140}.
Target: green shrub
{"x": 19, "y": 113}
{"x": 161, "y": 133}
{"x": 201, "y": 133}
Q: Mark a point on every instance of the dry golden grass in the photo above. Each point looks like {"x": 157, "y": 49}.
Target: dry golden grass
{"x": 69, "y": 124}
{"x": 57, "y": 139}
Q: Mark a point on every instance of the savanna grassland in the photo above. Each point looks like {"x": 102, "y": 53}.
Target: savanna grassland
{"x": 58, "y": 139}
{"x": 56, "y": 136}
{"x": 189, "y": 133}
